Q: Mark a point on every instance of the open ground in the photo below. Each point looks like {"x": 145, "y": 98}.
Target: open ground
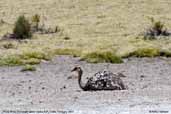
{"x": 49, "y": 88}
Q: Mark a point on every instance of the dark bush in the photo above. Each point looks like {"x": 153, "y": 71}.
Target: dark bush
{"x": 157, "y": 29}
{"x": 22, "y": 28}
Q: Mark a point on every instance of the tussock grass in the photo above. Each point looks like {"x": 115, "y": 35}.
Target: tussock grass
{"x": 32, "y": 58}
{"x": 74, "y": 52}
{"x": 96, "y": 57}
{"x": 31, "y": 61}
{"x": 144, "y": 52}
{"x": 28, "y": 68}
{"x": 34, "y": 55}
{"x": 24, "y": 58}
{"x": 148, "y": 52}
{"x": 10, "y": 61}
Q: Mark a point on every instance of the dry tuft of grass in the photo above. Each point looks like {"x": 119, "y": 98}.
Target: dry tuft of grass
{"x": 28, "y": 68}
{"x": 10, "y": 61}
{"x": 75, "y": 53}
{"x": 24, "y": 58}
{"x": 144, "y": 52}
{"x": 35, "y": 55}
{"x": 96, "y": 57}
{"x": 148, "y": 52}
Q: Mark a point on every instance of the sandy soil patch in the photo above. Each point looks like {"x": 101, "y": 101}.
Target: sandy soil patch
{"x": 49, "y": 88}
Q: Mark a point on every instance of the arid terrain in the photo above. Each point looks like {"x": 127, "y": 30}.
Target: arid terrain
{"x": 49, "y": 88}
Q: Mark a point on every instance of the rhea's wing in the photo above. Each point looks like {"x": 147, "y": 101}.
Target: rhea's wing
{"x": 105, "y": 80}
{"x": 96, "y": 82}
{"x": 113, "y": 81}
{"x": 98, "y": 75}
{"x": 99, "y": 80}
{"x": 117, "y": 81}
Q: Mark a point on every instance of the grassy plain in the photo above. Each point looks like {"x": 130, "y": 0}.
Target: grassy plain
{"x": 92, "y": 26}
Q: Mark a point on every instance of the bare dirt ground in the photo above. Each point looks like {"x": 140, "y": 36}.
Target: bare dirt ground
{"x": 48, "y": 88}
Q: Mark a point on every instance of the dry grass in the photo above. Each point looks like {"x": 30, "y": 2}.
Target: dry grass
{"x": 96, "y": 57}
{"x": 28, "y": 68}
{"x": 92, "y": 25}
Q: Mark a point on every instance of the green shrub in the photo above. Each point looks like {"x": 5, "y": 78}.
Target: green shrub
{"x": 35, "y": 54}
{"x": 22, "y": 28}
{"x": 144, "y": 52}
{"x": 31, "y": 61}
{"x": 25, "y": 58}
{"x": 28, "y": 68}
{"x": 11, "y": 61}
{"x": 97, "y": 57}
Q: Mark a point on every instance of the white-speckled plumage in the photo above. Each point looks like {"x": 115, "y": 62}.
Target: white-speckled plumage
{"x": 102, "y": 80}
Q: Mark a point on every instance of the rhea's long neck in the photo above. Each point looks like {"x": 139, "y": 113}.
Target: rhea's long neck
{"x": 81, "y": 84}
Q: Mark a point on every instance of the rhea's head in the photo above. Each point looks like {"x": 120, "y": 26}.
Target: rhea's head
{"x": 77, "y": 69}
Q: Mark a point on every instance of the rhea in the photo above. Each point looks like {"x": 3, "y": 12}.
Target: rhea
{"x": 102, "y": 80}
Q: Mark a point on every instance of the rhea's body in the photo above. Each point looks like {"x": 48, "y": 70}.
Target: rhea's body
{"x": 103, "y": 80}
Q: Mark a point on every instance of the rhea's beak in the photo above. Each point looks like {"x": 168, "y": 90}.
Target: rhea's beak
{"x": 73, "y": 70}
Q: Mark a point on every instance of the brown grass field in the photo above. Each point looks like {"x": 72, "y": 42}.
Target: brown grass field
{"x": 92, "y": 26}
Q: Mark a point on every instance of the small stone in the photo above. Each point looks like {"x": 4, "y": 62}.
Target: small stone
{"x": 22, "y": 81}
{"x": 40, "y": 102}
{"x": 70, "y": 77}
{"x": 13, "y": 94}
{"x": 29, "y": 87}
{"x": 142, "y": 76}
